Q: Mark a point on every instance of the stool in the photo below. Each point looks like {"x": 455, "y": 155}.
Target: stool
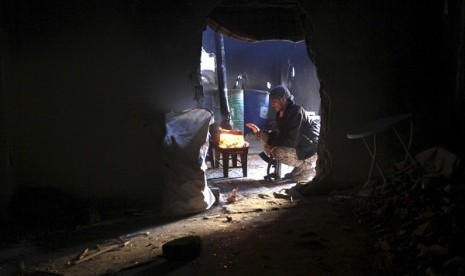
{"x": 227, "y": 153}
{"x": 271, "y": 163}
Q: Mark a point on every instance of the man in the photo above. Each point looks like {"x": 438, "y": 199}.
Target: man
{"x": 296, "y": 137}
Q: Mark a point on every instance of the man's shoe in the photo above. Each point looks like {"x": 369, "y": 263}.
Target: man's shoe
{"x": 304, "y": 175}
{"x": 300, "y": 173}
{"x": 295, "y": 172}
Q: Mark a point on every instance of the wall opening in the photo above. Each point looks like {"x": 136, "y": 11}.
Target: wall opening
{"x": 255, "y": 67}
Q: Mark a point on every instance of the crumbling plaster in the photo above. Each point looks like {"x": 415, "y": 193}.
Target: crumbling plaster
{"x": 376, "y": 60}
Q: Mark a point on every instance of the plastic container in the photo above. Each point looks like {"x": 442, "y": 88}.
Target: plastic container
{"x": 256, "y": 104}
{"x": 236, "y": 107}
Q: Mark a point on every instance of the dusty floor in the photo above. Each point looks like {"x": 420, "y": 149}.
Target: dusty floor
{"x": 264, "y": 231}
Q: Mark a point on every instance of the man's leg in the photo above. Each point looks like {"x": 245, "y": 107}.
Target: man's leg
{"x": 288, "y": 156}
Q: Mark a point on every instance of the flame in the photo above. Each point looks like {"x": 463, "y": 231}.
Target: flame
{"x": 231, "y": 139}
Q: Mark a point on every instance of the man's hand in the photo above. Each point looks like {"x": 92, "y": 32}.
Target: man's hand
{"x": 261, "y": 135}
{"x": 253, "y": 127}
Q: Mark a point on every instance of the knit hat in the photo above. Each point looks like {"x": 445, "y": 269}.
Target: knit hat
{"x": 280, "y": 91}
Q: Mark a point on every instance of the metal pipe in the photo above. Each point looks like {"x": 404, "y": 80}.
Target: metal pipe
{"x": 226, "y": 123}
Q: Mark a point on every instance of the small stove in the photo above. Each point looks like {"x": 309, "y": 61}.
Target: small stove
{"x": 230, "y": 139}
{"x": 232, "y": 145}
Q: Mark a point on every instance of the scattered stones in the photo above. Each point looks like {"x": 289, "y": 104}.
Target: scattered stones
{"x": 417, "y": 218}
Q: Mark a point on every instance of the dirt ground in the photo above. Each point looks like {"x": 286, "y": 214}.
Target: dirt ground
{"x": 266, "y": 230}
{"x": 277, "y": 237}
{"x": 257, "y": 234}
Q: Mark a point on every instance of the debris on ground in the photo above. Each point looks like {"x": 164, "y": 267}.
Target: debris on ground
{"x": 417, "y": 216}
{"x": 86, "y": 255}
{"x": 182, "y": 249}
{"x": 232, "y": 197}
{"x": 283, "y": 193}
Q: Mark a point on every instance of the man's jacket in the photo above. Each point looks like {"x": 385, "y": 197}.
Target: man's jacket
{"x": 296, "y": 130}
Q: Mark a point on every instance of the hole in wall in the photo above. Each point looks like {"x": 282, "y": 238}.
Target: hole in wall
{"x": 254, "y": 67}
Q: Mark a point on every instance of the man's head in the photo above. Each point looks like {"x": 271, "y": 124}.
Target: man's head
{"x": 279, "y": 95}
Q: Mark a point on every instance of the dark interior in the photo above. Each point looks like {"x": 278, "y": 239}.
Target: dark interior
{"x": 85, "y": 87}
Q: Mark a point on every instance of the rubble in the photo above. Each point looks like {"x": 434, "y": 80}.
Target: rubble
{"x": 417, "y": 217}
{"x": 85, "y": 255}
{"x": 232, "y": 196}
{"x": 182, "y": 249}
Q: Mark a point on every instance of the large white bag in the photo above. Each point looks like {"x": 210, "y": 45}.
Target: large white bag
{"x": 185, "y": 149}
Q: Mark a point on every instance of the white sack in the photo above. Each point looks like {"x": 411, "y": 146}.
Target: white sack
{"x": 185, "y": 149}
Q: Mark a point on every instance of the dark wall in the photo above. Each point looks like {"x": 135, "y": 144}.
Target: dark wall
{"x": 381, "y": 59}
{"x": 85, "y": 85}
{"x": 84, "y": 89}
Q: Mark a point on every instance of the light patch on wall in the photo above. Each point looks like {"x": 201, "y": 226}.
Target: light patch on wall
{"x": 207, "y": 61}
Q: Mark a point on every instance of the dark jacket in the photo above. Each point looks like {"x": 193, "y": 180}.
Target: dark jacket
{"x": 296, "y": 130}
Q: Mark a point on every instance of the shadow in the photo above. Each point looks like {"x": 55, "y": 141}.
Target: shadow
{"x": 159, "y": 267}
{"x": 51, "y": 219}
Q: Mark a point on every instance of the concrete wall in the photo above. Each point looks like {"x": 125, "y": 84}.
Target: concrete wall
{"x": 381, "y": 59}
{"x": 85, "y": 85}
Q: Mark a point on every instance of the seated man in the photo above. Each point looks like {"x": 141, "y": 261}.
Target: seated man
{"x": 296, "y": 137}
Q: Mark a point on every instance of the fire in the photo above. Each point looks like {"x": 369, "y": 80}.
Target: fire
{"x": 231, "y": 139}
